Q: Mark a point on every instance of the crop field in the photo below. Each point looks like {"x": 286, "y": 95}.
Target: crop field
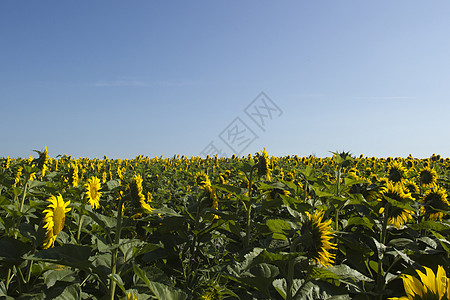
{"x": 249, "y": 227}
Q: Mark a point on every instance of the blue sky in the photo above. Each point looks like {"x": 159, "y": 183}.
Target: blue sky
{"x": 123, "y": 78}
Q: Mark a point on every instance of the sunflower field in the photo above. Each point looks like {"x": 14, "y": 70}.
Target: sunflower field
{"x": 251, "y": 227}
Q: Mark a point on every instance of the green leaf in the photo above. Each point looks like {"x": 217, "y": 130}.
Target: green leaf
{"x": 362, "y": 221}
{"x": 70, "y": 255}
{"x": 229, "y": 188}
{"x": 161, "y": 291}
{"x": 279, "y": 228}
{"x": 112, "y": 184}
{"x": 118, "y": 280}
{"x": 432, "y": 225}
{"x": 345, "y": 272}
{"x": 52, "y": 276}
{"x": 11, "y": 250}
{"x": 259, "y": 277}
{"x": 403, "y": 205}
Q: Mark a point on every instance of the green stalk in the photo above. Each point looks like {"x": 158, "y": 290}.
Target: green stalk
{"x": 380, "y": 277}
{"x": 290, "y": 275}
{"x": 249, "y": 208}
{"x": 112, "y": 286}
{"x": 338, "y": 187}
{"x": 80, "y": 221}
{"x": 23, "y": 196}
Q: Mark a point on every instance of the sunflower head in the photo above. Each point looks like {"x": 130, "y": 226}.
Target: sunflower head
{"x": 396, "y": 216}
{"x": 275, "y": 192}
{"x": 319, "y": 235}
{"x": 428, "y": 176}
{"x": 264, "y": 168}
{"x": 396, "y": 171}
{"x": 136, "y": 190}
{"x": 93, "y": 193}
{"x": 54, "y": 218}
{"x": 434, "y": 201}
{"x": 428, "y": 285}
{"x": 202, "y": 179}
{"x": 73, "y": 174}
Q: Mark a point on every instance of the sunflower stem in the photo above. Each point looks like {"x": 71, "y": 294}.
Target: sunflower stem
{"x": 290, "y": 275}
{"x": 80, "y": 221}
{"x": 249, "y": 208}
{"x": 112, "y": 286}
{"x": 380, "y": 275}
{"x": 23, "y": 196}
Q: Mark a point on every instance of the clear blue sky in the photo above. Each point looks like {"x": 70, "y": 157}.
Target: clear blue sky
{"x": 123, "y": 78}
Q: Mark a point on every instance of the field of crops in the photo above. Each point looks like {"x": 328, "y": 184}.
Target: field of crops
{"x": 253, "y": 227}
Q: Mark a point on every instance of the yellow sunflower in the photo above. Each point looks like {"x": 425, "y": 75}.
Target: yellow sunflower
{"x": 202, "y": 179}
{"x": 146, "y": 205}
{"x": 427, "y": 286}
{"x": 434, "y": 199}
{"x": 55, "y": 215}
{"x": 319, "y": 245}
{"x": 264, "y": 164}
{"x": 428, "y": 176}
{"x": 396, "y": 172}
{"x": 212, "y": 198}
{"x": 73, "y": 174}
{"x": 137, "y": 190}
{"x": 93, "y": 193}
{"x": 396, "y": 216}
{"x": 411, "y": 186}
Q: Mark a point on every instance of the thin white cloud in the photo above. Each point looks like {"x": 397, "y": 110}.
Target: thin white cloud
{"x": 383, "y": 97}
{"x": 138, "y": 83}
{"x": 120, "y": 83}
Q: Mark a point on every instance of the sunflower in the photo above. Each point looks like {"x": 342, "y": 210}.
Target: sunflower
{"x": 212, "y": 198}
{"x": 136, "y": 190}
{"x": 55, "y": 215}
{"x": 428, "y": 176}
{"x": 146, "y": 205}
{"x": 273, "y": 194}
{"x": 429, "y": 286}
{"x": 396, "y": 172}
{"x": 319, "y": 244}
{"x": 92, "y": 192}
{"x": 131, "y": 296}
{"x": 435, "y": 199}
{"x": 396, "y": 216}
{"x": 73, "y": 174}
{"x": 264, "y": 164}
{"x": 202, "y": 179}
{"x": 42, "y": 161}
{"x": 411, "y": 186}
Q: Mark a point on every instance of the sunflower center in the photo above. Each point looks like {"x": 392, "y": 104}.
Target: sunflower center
{"x": 395, "y": 175}
{"x": 58, "y": 220}
{"x": 426, "y": 177}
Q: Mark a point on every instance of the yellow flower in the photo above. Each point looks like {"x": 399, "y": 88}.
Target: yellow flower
{"x": 434, "y": 199}
{"x": 264, "y": 164}
{"x": 136, "y": 190}
{"x": 396, "y": 172}
{"x": 212, "y": 196}
{"x": 146, "y": 205}
{"x": 427, "y": 286}
{"x": 428, "y": 176}
{"x": 396, "y": 216}
{"x": 202, "y": 179}
{"x": 6, "y": 163}
{"x": 93, "y": 193}
{"x": 319, "y": 243}
{"x": 55, "y": 215}
{"x": 131, "y": 296}
{"x": 18, "y": 175}
{"x": 73, "y": 174}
